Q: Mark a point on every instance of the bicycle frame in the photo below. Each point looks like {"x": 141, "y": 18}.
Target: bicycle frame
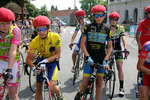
{"x": 78, "y": 64}
{"x": 90, "y": 88}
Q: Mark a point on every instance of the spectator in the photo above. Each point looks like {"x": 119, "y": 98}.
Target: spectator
{"x": 125, "y": 21}
{"x": 25, "y": 29}
{"x": 17, "y": 21}
{"x": 30, "y": 20}
{"x": 131, "y": 21}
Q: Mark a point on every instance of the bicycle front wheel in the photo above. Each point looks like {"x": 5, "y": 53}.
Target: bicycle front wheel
{"x": 21, "y": 64}
{"x": 112, "y": 84}
{"x": 46, "y": 92}
{"x": 77, "y": 70}
{"x": 32, "y": 81}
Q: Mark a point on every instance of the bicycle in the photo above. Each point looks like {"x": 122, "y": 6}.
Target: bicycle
{"x": 79, "y": 64}
{"x": 46, "y": 92}
{"x": 4, "y": 87}
{"x": 109, "y": 75}
{"x": 32, "y": 80}
{"x": 88, "y": 94}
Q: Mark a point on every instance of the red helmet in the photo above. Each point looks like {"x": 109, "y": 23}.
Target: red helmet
{"x": 41, "y": 21}
{"x": 114, "y": 15}
{"x": 79, "y": 13}
{"x": 6, "y": 15}
{"x": 147, "y": 9}
{"x": 98, "y": 8}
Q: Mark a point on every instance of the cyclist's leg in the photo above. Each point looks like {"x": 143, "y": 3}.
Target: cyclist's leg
{"x": 13, "y": 84}
{"x": 99, "y": 83}
{"x": 38, "y": 93}
{"x": 85, "y": 80}
{"x": 74, "y": 54}
{"x": 53, "y": 76}
{"x": 119, "y": 63}
{"x": 144, "y": 90}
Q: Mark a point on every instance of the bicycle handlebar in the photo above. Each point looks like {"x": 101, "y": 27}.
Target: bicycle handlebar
{"x": 74, "y": 44}
{"x": 120, "y": 51}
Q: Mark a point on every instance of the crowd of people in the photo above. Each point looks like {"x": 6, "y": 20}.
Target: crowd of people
{"x": 92, "y": 42}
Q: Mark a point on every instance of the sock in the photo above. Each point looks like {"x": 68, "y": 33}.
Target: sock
{"x": 121, "y": 83}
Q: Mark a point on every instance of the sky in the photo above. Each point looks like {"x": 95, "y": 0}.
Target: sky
{"x": 61, "y": 4}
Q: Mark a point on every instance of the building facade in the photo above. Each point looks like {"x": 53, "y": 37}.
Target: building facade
{"x": 66, "y": 16}
{"x": 128, "y": 9}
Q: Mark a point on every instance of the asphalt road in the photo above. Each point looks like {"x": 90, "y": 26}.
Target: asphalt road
{"x": 65, "y": 76}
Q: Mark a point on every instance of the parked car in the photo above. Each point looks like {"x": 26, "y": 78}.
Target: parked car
{"x": 63, "y": 23}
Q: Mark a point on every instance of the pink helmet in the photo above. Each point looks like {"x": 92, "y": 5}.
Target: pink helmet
{"x": 98, "y": 8}
{"x": 114, "y": 15}
{"x": 41, "y": 21}
{"x": 147, "y": 9}
{"x": 79, "y": 13}
{"x": 6, "y": 15}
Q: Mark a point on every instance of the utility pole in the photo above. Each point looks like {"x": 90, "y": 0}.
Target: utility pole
{"x": 74, "y": 4}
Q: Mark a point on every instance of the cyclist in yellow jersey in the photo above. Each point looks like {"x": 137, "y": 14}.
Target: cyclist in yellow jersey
{"x": 48, "y": 45}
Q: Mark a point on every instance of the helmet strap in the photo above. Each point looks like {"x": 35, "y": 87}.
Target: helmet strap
{"x": 113, "y": 25}
{"x": 2, "y": 32}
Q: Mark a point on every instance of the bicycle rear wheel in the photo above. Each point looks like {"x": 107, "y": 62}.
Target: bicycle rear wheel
{"x": 46, "y": 92}
{"x": 21, "y": 64}
{"x": 112, "y": 84}
{"x": 32, "y": 81}
{"x": 77, "y": 69}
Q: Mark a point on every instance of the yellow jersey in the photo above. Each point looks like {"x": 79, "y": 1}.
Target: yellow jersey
{"x": 45, "y": 47}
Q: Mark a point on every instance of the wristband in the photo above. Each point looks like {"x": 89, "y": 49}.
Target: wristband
{"x": 33, "y": 68}
{"x": 9, "y": 70}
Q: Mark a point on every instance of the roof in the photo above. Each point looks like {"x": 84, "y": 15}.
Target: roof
{"x": 62, "y": 12}
{"x": 15, "y": 8}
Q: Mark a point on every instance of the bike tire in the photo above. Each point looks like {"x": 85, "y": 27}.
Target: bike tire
{"x": 92, "y": 91}
{"x": 46, "y": 93}
{"x": 112, "y": 84}
{"x": 32, "y": 81}
{"x": 21, "y": 64}
{"x": 21, "y": 68}
{"x": 77, "y": 70}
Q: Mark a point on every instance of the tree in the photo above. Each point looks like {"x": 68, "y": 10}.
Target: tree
{"x": 87, "y": 5}
{"x": 44, "y": 11}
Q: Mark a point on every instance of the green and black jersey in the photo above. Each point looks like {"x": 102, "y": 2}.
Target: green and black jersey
{"x": 96, "y": 40}
{"x": 116, "y": 37}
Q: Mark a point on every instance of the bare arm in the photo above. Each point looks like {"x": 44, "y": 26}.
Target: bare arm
{"x": 12, "y": 55}
{"x": 72, "y": 39}
{"x": 82, "y": 45}
{"x": 109, "y": 50}
{"x": 29, "y": 59}
{"x": 124, "y": 42}
{"x": 141, "y": 68}
{"x": 56, "y": 55}
{"x": 138, "y": 39}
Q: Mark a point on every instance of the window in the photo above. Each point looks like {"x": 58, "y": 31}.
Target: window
{"x": 111, "y": 0}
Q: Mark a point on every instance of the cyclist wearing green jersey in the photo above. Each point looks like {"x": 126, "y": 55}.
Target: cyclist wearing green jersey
{"x": 118, "y": 34}
{"x": 9, "y": 51}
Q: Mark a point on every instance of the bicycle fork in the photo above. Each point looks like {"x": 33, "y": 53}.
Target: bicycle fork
{"x": 47, "y": 82}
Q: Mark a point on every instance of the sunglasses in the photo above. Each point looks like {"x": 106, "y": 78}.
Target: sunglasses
{"x": 114, "y": 19}
{"x": 100, "y": 15}
{"x": 41, "y": 29}
{"x": 80, "y": 17}
{"x": 147, "y": 12}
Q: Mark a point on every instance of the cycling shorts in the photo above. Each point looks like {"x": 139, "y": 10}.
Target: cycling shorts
{"x": 52, "y": 71}
{"x": 77, "y": 48}
{"x": 119, "y": 56}
{"x": 15, "y": 72}
{"x": 88, "y": 71}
